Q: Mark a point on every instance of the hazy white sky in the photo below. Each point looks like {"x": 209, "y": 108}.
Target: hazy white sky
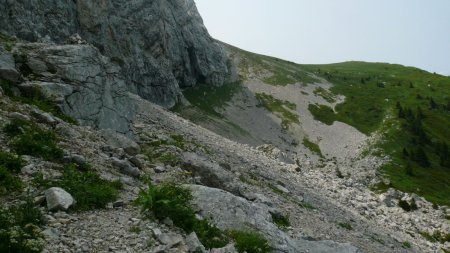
{"x": 408, "y": 32}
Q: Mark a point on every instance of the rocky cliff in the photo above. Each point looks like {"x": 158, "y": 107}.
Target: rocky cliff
{"x": 160, "y": 45}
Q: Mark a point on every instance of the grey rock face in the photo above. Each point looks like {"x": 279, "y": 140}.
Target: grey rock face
{"x": 7, "y": 66}
{"x": 160, "y": 45}
{"x": 85, "y": 84}
{"x": 211, "y": 174}
{"x": 232, "y": 212}
{"x": 58, "y": 199}
{"x": 117, "y": 140}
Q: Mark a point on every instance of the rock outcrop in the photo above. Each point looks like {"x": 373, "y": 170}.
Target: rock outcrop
{"x": 159, "y": 45}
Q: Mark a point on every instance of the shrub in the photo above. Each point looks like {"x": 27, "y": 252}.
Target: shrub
{"x": 30, "y": 139}
{"x": 281, "y": 221}
{"x": 9, "y": 165}
{"x": 11, "y": 162}
{"x": 250, "y": 242}
{"x": 347, "y": 226}
{"x": 87, "y": 188}
{"x": 171, "y": 201}
{"x": 19, "y": 229}
{"x": 8, "y": 182}
{"x": 406, "y": 245}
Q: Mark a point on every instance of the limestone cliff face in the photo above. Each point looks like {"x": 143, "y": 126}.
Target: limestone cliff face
{"x": 160, "y": 45}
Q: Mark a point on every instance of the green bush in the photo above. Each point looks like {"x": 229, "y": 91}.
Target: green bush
{"x": 11, "y": 162}
{"x": 249, "y": 241}
{"x": 30, "y": 139}
{"x": 19, "y": 229}
{"x": 172, "y": 201}
{"x": 8, "y": 182}
{"x": 9, "y": 165}
{"x": 86, "y": 187}
{"x": 281, "y": 221}
{"x": 347, "y": 226}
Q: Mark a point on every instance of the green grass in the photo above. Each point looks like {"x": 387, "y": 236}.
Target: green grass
{"x": 281, "y": 221}
{"x": 249, "y": 242}
{"x": 345, "y": 225}
{"x": 283, "y": 72}
{"x": 372, "y": 91}
{"x": 210, "y": 99}
{"x": 322, "y": 113}
{"x": 312, "y": 146}
{"x": 19, "y": 228}
{"x": 406, "y": 245}
{"x": 172, "y": 201}
{"x": 10, "y": 165}
{"x": 325, "y": 94}
{"x": 7, "y": 41}
{"x": 282, "y": 109}
{"x": 86, "y": 187}
{"x": 29, "y": 139}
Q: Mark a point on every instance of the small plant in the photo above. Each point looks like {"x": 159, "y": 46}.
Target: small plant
{"x": 406, "y": 245}
{"x": 281, "y": 221}
{"x": 346, "y": 225}
{"x": 30, "y": 139}
{"x": 172, "y": 201}
{"x": 9, "y": 166}
{"x": 250, "y": 242}
{"x": 178, "y": 141}
{"x": 312, "y": 146}
{"x": 20, "y": 230}
{"x": 135, "y": 229}
{"x": 408, "y": 207}
{"x": 87, "y": 188}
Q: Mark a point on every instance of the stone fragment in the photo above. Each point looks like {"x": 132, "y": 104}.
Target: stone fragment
{"x": 125, "y": 167}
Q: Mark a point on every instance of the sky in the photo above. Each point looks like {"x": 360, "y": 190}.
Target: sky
{"x": 408, "y": 32}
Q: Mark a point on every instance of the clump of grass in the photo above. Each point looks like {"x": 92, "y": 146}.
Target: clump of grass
{"x": 30, "y": 139}
{"x": 163, "y": 157}
{"x": 408, "y": 207}
{"x": 211, "y": 99}
{"x": 172, "y": 201}
{"x": 406, "y": 245}
{"x": 250, "y": 242}
{"x": 312, "y": 146}
{"x": 322, "y": 113}
{"x": 346, "y": 225}
{"x": 135, "y": 229}
{"x": 437, "y": 236}
{"x": 282, "y": 109}
{"x": 86, "y": 187}
{"x": 325, "y": 94}
{"x": 10, "y": 165}
{"x": 178, "y": 141}
{"x": 281, "y": 221}
{"x": 19, "y": 228}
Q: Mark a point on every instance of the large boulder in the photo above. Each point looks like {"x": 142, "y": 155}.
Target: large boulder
{"x": 118, "y": 140}
{"x": 231, "y": 212}
{"x": 7, "y": 66}
{"x": 58, "y": 199}
{"x": 161, "y": 45}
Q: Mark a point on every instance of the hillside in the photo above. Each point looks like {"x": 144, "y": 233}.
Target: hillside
{"x": 371, "y": 97}
{"x": 256, "y": 154}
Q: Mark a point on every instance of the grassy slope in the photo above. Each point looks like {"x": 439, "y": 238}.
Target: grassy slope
{"x": 372, "y": 91}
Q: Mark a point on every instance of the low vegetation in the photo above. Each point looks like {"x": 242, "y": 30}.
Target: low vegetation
{"x": 437, "y": 236}
{"x": 313, "y": 147}
{"x": 325, "y": 94}
{"x": 210, "y": 99}
{"x": 281, "y": 221}
{"x": 283, "y": 109}
{"x": 345, "y": 225}
{"x": 409, "y": 107}
{"x": 30, "y": 139}
{"x": 406, "y": 245}
{"x": 172, "y": 201}
{"x": 19, "y": 228}
{"x": 86, "y": 187}
{"x": 10, "y": 165}
{"x": 281, "y": 72}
